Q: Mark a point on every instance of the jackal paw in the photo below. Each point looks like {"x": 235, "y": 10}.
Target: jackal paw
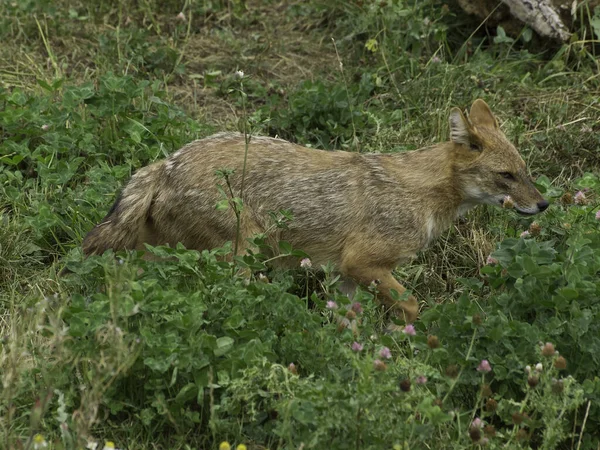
{"x": 407, "y": 311}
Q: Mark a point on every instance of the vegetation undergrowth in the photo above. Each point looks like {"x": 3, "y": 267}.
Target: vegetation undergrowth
{"x": 186, "y": 351}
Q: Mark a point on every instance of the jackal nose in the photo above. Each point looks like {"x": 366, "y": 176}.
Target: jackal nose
{"x": 543, "y": 205}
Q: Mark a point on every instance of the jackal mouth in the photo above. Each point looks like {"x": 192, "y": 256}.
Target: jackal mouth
{"x": 519, "y": 210}
{"x": 525, "y": 213}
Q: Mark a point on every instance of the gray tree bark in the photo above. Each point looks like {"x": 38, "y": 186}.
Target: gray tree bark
{"x": 541, "y": 16}
{"x": 548, "y": 18}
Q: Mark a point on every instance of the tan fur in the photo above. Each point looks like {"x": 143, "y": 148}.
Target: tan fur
{"x": 363, "y": 212}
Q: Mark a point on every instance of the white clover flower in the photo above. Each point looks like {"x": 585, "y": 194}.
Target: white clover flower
{"x": 484, "y": 366}
{"x": 331, "y": 305}
{"x": 410, "y": 330}
{"x": 580, "y": 198}
{"x": 306, "y": 263}
{"x": 490, "y": 261}
{"x": 477, "y": 423}
{"x": 385, "y": 353}
{"x": 39, "y": 442}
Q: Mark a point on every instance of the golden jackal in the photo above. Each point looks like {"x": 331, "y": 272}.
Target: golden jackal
{"x": 363, "y": 212}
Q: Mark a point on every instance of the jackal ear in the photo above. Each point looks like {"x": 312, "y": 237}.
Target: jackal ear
{"x": 459, "y": 127}
{"x": 481, "y": 115}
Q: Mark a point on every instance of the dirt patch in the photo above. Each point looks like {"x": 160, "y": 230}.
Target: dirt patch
{"x": 271, "y": 48}
{"x": 276, "y": 45}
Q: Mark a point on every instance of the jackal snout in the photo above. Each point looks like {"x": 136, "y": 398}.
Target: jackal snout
{"x": 490, "y": 168}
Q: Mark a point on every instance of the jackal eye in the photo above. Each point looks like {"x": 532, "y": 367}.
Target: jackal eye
{"x": 507, "y": 176}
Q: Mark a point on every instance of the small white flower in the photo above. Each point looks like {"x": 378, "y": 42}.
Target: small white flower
{"x": 385, "y": 353}
{"x": 357, "y": 347}
{"x": 490, "y": 261}
{"x": 181, "y": 16}
{"x": 409, "y": 330}
{"x": 39, "y": 442}
{"x": 45, "y": 127}
{"x": 91, "y": 445}
{"x": 484, "y": 366}
{"x": 239, "y": 74}
{"x": 477, "y": 423}
{"x": 373, "y": 285}
{"x": 539, "y": 367}
{"x": 306, "y": 263}
{"x": 528, "y": 369}
{"x": 421, "y": 379}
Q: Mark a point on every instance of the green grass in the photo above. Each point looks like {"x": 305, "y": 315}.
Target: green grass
{"x": 187, "y": 354}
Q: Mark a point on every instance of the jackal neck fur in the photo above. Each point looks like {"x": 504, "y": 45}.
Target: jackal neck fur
{"x": 433, "y": 178}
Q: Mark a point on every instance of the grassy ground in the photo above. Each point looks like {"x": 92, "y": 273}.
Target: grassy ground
{"x": 187, "y": 355}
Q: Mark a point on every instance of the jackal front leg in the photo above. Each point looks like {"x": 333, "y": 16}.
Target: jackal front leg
{"x": 408, "y": 310}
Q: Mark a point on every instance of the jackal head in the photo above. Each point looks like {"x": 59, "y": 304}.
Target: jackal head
{"x": 487, "y": 165}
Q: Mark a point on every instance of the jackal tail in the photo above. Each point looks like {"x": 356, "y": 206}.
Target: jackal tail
{"x": 121, "y": 227}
